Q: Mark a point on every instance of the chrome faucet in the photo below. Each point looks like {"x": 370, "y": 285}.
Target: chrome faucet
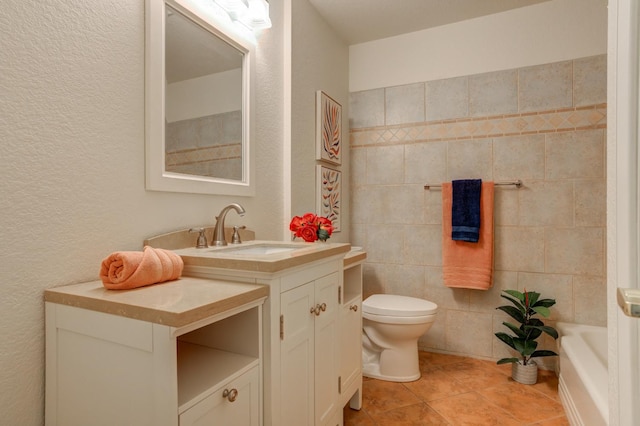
{"x": 218, "y": 232}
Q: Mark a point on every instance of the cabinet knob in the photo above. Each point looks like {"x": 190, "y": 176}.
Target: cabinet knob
{"x": 231, "y": 395}
{"x": 318, "y": 309}
{"x": 354, "y": 308}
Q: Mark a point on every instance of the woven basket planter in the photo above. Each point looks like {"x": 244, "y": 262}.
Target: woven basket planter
{"x": 525, "y": 374}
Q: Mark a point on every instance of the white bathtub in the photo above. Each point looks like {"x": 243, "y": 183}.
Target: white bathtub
{"x": 583, "y": 367}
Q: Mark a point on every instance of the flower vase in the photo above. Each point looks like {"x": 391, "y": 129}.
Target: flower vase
{"x": 525, "y": 374}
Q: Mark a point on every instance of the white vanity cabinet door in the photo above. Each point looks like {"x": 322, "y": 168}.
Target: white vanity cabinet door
{"x": 351, "y": 350}
{"x": 326, "y": 349}
{"x": 221, "y": 409}
{"x": 308, "y": 353}
{"x": 296, "y": 355}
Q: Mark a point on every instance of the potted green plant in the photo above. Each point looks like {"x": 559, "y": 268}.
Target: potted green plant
{"x": 525, "y": 307}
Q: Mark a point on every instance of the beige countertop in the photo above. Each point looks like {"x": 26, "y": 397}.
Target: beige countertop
{"x": 354, "y": 256}
{"x": 229, "y": 257}
{"x": 173, "y": 303}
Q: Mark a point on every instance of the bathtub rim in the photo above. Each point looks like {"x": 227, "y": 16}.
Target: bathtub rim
{"x": 594, "y": 380}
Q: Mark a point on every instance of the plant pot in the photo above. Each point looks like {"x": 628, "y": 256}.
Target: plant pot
{"x": 525, "y": 374}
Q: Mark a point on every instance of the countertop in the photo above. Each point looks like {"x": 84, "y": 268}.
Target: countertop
{"x": 173, "y": 303}
{"x": 218, "y": 257}
{"x": 354, "y": 256}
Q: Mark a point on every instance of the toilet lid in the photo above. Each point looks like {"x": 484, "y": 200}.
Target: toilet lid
{"x": 399, "y": 306}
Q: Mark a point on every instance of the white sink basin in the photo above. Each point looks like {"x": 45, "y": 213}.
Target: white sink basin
{"x": 260, "y": 256}
{"x": 259, "y": 250}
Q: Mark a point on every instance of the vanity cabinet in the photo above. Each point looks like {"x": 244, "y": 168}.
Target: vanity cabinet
{"x": 187, "y": 352}
{"x": 301, "y": 330}
{"x": 311, "y": 323}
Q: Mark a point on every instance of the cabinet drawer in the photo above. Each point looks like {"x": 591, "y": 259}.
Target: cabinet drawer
{"x": 220, "y": 410}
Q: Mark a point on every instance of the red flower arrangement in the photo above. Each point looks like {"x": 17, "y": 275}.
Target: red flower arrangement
{"x": 311, "y": 227}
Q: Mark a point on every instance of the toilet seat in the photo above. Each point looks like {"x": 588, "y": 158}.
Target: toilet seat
{"x": 393, "y": 305}
{"x": 387, "y": 319}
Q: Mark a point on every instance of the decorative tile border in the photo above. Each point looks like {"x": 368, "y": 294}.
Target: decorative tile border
{"x": 199, "y": 155}
{"x": 560, "y": 120}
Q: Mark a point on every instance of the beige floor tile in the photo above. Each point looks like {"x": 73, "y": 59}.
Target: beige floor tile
{"x": 547, "y": 384}
{"x": 436, "y": 384}
{"x": 412, "y": 415}
{"x": 431, "y": 359}
{"x": 471, "y": 409}
{"x": 476, "y": 374}
{"x": 379, "y": 396}
{"x": 356, "y": 417}
{"x": 558, "y": 421}
{"x": 522, "y": 402}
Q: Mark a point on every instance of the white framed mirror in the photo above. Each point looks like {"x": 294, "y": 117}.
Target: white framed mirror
{"x": 198, "y": 102}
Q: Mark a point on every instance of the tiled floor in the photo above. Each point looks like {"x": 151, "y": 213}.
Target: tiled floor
{"x": 461, "y": 391}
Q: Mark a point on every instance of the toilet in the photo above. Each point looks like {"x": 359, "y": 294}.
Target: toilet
{"x": 391, "y": 327}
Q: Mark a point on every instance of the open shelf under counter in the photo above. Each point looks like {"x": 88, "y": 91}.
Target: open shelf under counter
{"x": 202, "y": 370}
{"x": 352, "y": 282}
{"x": 352, "y": 299}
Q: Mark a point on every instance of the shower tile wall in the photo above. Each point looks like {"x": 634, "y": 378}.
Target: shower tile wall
{"x": 206, "y": 146}
{"x": 544, "y": 125}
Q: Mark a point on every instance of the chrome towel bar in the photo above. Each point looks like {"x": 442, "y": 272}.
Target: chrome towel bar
{"x": 516, "y": 183}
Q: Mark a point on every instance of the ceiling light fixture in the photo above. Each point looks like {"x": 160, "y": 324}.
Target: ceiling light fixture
{"x": 253, "y": 14}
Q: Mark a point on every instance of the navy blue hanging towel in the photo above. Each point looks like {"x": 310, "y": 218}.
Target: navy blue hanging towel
{"x": 465, "y": 210}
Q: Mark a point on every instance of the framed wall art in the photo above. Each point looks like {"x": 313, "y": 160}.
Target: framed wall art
{"x": 328, "y": 129}
{"x": 329, "y": 183}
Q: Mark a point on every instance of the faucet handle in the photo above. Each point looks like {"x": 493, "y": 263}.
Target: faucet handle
{"x": 235, "y": 239}
{"x": 202, "y": 239}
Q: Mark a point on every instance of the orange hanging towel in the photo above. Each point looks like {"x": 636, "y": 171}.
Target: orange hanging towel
{"x": 468, "y": 264}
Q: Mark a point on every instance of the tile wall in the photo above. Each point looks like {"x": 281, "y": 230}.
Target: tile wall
{"x": 545, "y": 125}
{"x": 206, "y": 146}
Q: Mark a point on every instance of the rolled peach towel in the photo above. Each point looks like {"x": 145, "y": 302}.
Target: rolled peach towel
{"x": 125, "y": 270}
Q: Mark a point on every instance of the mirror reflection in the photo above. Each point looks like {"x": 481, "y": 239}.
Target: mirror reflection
{"x": 203, "y": 101}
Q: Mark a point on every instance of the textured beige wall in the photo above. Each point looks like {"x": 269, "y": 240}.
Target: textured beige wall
{"x": 544, "y": 125}
{"x": 72, "y": 160}
{"x": 320, "y": 61}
